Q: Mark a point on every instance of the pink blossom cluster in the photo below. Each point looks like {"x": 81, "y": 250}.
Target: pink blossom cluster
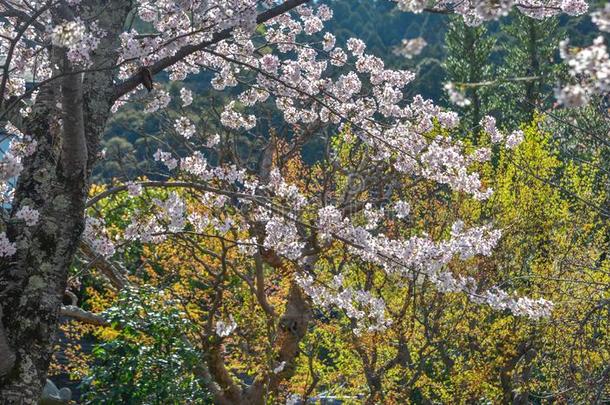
{"x": 159, "y": 100}
{"x": 476, "y": 12}
{"x": 282, "y": 236}
{"x": 601, "y": 18}
{"x": 511, "y": 141}
{"x": 367, "y": 95}
{"x": 368, "y": 311}
{"x": 28, "y": 215}
{"x": 590, "y": 67}
{"x": 421, "y": 258}
{"x": 20, "y": 147}
{"x": 29, "y": 50}
{"x": 166, "y": 158}
{"x": 7, "y": 248}
{"x": 456, "y": 96}
{"x": 79, "y": 39}
{"x": 225, "y": 328}
{"x": 97, "y": 236}
{"x": 186, "y": 96}
{"x": 183, "y": 23}
{"x": 185, "y": 127}
{"x": 418, "y": 257}
{"x": 409, "y": 48}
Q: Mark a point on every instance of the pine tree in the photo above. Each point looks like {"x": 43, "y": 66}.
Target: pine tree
{"x": 469, "y": 52}
{"x": 528, "y": 67}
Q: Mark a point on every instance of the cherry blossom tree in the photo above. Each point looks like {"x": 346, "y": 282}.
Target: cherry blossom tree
{"x": 69, "y": 64}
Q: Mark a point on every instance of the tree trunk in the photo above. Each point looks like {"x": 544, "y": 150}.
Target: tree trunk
{"x": 55, "y": 182}
{"x": 293, "y": 327}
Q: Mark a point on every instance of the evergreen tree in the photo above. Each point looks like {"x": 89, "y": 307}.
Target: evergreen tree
{"x": 528, "y": 67}
{"x": 468, "y": 63}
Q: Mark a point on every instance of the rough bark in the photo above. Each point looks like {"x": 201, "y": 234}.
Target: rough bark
{"x": 7, "y": 355}
{"x": 54, "y": 181}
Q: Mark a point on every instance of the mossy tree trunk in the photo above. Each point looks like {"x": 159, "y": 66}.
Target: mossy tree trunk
{"x": 67, "y": 121}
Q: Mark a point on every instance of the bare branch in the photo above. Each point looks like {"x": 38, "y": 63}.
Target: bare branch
{"x": 110, "y": 270}
{"x": 498, "y": 81}
{"x": 72, "y": 311}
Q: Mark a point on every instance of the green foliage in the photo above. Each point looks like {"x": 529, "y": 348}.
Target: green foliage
{"x": 554, "y": 241}
{"x": 529, "y": 68}
{"x": 148, "y": 360}
{"x": 468, "y": 62}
